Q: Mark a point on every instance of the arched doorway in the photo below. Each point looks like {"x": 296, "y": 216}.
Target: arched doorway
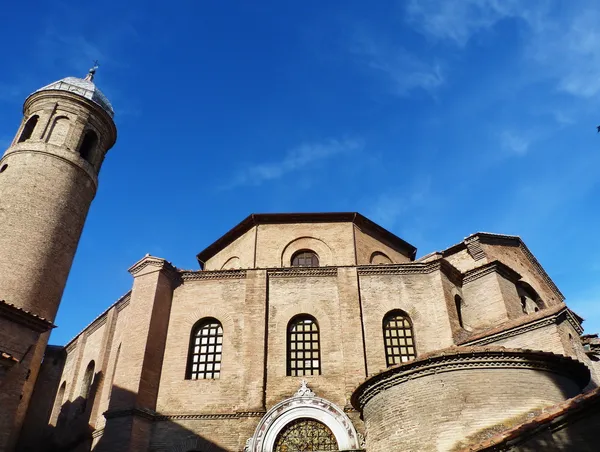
{"x": 305, "y": 435}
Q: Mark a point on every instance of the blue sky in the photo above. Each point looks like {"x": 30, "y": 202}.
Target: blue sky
{"x": 435, "y": 119}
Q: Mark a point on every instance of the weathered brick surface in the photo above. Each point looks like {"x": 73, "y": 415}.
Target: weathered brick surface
{"x": 434, "y": 411}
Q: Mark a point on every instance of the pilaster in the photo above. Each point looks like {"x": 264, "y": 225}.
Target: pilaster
{"x": 255, "y": 340}
{"x": 137, "y": 376}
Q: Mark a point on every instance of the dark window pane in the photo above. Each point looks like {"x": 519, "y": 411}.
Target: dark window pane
{"x": 204, "y": 350}
{"x": 303, "y": 347}
{"x": 398, "y": 334}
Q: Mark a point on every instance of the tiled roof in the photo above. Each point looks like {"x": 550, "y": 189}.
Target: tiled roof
{"x": 25, "y": 311}
{"x": 547, "y": 415}
{"x": 524, "y": 320}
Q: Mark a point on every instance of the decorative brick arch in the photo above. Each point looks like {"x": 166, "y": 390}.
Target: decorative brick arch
{"x": 232, "y": 263}
{"x": 304, "y": 404}
{"x": 322, "y": 250}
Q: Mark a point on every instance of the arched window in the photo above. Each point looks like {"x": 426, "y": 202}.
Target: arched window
{"x": 305, "y": 434}
{"x": 379, "y": 258}
{"x": 530, "y": 300}
{"x": 206, "y": 348}
{"x": 88, "y": 145}
{"x": 28, "y": 129}
{"x": 458, "y": 303}
{"x": 86, "y": 385}
{"x": 398, "y": 337}
{"x": 59, "y": 131}
{"x": 58, "y": 403}
{"x": 305, "y": 258}
{"x": 303, "y": 347}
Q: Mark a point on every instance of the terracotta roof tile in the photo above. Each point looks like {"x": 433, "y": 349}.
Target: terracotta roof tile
{"x": 546, "y": 416}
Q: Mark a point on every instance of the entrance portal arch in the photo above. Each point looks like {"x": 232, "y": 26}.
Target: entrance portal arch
{"x": 306, "y": 420}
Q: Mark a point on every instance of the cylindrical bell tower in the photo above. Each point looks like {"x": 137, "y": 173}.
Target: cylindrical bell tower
{"x": 48, "y": 178}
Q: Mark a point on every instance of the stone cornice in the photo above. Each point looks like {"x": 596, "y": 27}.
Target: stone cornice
{"x": 138, "y": 412}
{"x": 413, "y": 268}
{"x": 24, "y": 317}
{"x": 528, "y": 324}
{"x": 217, "y": 274}
{"x": 461, "y": 358}
{"x": 155, "y": 417}
{"x": 492, "y": 267}
{"x": 291, "y": 272}
{"x": 156, "y": 264}
{"x": 206, "y": 416}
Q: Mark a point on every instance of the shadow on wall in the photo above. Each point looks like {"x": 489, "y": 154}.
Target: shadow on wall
{"x": 74, "y": 431}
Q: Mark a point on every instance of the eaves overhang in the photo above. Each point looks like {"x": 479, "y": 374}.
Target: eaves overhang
{"x": 356, "y": 218}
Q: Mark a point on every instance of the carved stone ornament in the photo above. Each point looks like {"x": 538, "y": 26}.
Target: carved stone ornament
{"x": 304, "y": 390}
{"x": 303, "y": 405}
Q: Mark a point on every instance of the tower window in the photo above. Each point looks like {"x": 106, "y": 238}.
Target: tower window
{"x": 305, "y": 258}
{"x": 303, "y": 347}
{"x": 28, "y": 129}
{"x": 398, "y": 337}
{"x": 206, "y": 349}
{"x": 88, "y": 145}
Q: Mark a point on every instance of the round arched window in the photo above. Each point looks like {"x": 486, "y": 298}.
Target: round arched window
{"x": 305, "y": 258}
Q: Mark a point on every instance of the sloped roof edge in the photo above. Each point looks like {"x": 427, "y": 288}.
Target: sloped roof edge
{"x": 321, "y": 217}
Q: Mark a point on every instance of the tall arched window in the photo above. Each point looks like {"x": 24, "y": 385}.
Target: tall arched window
{"x": 303, "y": 356}
{"x": 88, "y": 145}
{"x": 59, "y": 131}
{"x": 86, "y": 385}
{"x": 58, "y": 402}
{"x": 28, "y": 129}
{"x": 305, "y": 258}
{"x": 206, "y": 349}
{"x": 398, "y": 337}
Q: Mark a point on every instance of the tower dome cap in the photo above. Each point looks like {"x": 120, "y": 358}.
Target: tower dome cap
{"x": 85, "y": 87}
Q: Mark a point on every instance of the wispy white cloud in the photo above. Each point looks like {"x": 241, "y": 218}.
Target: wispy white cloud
{"x": 515, "y": 142}
{"x": 403, "y": 70}
{"x": 389, "y": 206}
{"x": 560, "y": 41}
{"x": 296, "y": 159}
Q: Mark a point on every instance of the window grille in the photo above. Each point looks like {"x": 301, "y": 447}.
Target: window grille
{"x": 399, "y": 339}
{"x": 305, "y": 434}
{"x": 206, "y": 348}
{"x": 303, "y": 347}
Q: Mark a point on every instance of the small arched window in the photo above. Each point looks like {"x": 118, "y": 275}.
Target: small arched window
{"x": 398, "y": 337}
{"x": 206, "y": 349}
{"x": 459, "y": 304}
{"x": 303, "y": 356}
{"x": 305, "y": 258}
{"x": 28, "y": 129}
{"x": 88, "y": 145}
{"x": 530, "y": 300}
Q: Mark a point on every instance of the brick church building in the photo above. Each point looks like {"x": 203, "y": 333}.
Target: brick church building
{"x": 298, "y": 332}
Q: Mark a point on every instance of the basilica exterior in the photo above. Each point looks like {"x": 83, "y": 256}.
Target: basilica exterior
{"x": 298, "y": 332}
